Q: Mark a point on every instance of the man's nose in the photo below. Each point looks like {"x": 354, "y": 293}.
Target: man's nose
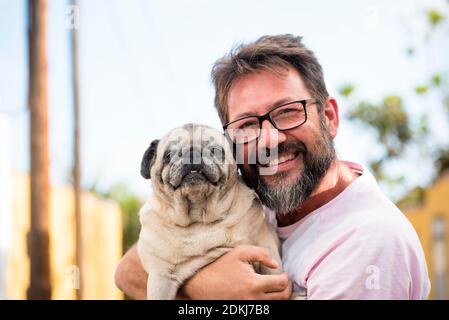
{"x": 270, "y": 137}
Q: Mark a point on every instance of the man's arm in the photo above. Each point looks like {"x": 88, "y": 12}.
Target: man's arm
{"x": 229, "y": 277}
{"x": 130, "y": 276}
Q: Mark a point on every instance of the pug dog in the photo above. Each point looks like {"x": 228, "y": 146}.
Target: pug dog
{"x": 199, "y": 209}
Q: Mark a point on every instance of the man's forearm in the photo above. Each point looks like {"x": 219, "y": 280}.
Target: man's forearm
{"x": 130, "y": 276}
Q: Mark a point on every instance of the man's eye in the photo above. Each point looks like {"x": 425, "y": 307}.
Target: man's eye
{"x": 248, "y": 124}
{"x": 288, "y": 111}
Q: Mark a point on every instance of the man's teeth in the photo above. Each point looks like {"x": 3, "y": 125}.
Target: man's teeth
{"x": 281, "y": 159}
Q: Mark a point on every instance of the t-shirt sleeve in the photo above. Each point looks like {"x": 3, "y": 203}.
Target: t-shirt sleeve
{"x": 376, "y": 261}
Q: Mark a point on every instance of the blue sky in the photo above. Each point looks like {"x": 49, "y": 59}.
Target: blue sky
{"x": 145, "y": 68}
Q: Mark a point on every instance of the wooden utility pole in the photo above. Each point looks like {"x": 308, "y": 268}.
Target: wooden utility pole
{"x": 76, "y": 145}
{"x": 38, "y": 239}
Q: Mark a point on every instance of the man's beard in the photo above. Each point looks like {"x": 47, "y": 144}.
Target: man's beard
{"x": 283, "y": 197}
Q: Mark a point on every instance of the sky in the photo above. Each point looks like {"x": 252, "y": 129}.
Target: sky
{"x": 145, "y": 68}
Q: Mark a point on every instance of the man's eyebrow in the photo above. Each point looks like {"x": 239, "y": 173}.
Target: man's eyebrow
{"x": 274, "y": 105}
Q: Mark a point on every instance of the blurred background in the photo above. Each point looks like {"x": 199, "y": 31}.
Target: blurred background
{"x": 85, "y": 86}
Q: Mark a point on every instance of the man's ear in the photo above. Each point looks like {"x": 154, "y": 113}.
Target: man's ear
{"x": 148, "y": 159}
{"x": 331, "y": 115}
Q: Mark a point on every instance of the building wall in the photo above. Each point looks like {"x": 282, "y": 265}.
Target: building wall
{"x": 5, "y": 199}
{"x": 436, "y": 248}
{"x": 102, "y": 244}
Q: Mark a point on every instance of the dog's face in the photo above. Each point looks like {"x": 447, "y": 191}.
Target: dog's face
{"x": 190, "y": 162}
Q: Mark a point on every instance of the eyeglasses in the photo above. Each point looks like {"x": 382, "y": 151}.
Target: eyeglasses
{"x": 284, "y": 117}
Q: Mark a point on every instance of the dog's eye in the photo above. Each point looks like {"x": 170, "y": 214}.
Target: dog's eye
{"x": 168, "y": 155}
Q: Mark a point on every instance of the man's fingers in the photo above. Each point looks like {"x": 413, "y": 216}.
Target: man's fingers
{"x": 273, "y": 283}
{"x": 280, "y": 295}
{"x": 257, "y": 254}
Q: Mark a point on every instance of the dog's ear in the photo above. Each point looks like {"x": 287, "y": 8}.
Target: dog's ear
{"x": 148, "y": 159}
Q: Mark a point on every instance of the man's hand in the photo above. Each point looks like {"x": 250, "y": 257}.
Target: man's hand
{"x": 233, "y": 277}
{"x": 229, "y": 277}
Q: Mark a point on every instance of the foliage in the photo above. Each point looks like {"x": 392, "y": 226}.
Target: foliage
{"x": 414, "y": 197}
{"x": 434, "y": 17}
{"x": 130, "y": 205}
{"x": 389, "y": 118}
{"x": 394, "y": 130}
{"x": 442, "y": 162}
{"x": 346, "y": 90}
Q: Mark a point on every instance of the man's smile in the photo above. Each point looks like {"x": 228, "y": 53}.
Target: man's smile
{"x": 284, "y": 161}
{"x": 283, "y": 158}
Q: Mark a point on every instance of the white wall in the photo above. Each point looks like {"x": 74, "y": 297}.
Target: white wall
{"x": 5, "y": 199}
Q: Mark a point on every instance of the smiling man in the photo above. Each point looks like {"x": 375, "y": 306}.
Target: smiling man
{"x": 341, "y": 237}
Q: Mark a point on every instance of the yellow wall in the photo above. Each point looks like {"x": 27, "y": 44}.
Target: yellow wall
{"x": 102, "y": 244}
{"x": 422, "y": 218}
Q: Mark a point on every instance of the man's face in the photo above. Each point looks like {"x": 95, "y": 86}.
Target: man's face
{"x": 303, "y": 154}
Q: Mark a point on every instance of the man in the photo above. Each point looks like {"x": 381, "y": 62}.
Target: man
{"x": 342, "y": 238}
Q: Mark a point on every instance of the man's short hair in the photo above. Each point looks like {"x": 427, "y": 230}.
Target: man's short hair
{"x": 268, "y": 53}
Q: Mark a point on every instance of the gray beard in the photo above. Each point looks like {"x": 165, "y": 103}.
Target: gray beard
{"x": 286, "y": 198}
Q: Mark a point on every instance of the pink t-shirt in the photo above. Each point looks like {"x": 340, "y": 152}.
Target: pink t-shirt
{"x": 357, "y": 246}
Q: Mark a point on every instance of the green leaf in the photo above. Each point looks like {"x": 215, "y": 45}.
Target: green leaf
{"x": 436, "y": 80}
{"x": 346, "y": 90}
{"x": 421, "y": 89}
{"x": 392, "y": 101}
{"x": 434, "y": 17}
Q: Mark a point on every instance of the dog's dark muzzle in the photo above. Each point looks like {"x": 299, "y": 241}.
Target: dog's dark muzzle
{"x": 193, "y": 172}
{"x": 193, "y": 166}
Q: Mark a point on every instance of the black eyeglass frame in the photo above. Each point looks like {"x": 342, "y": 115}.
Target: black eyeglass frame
{"x": 266, "y": 116}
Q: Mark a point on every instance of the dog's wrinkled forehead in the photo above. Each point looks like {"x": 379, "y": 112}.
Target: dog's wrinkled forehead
{"x": 193, "y": 135}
